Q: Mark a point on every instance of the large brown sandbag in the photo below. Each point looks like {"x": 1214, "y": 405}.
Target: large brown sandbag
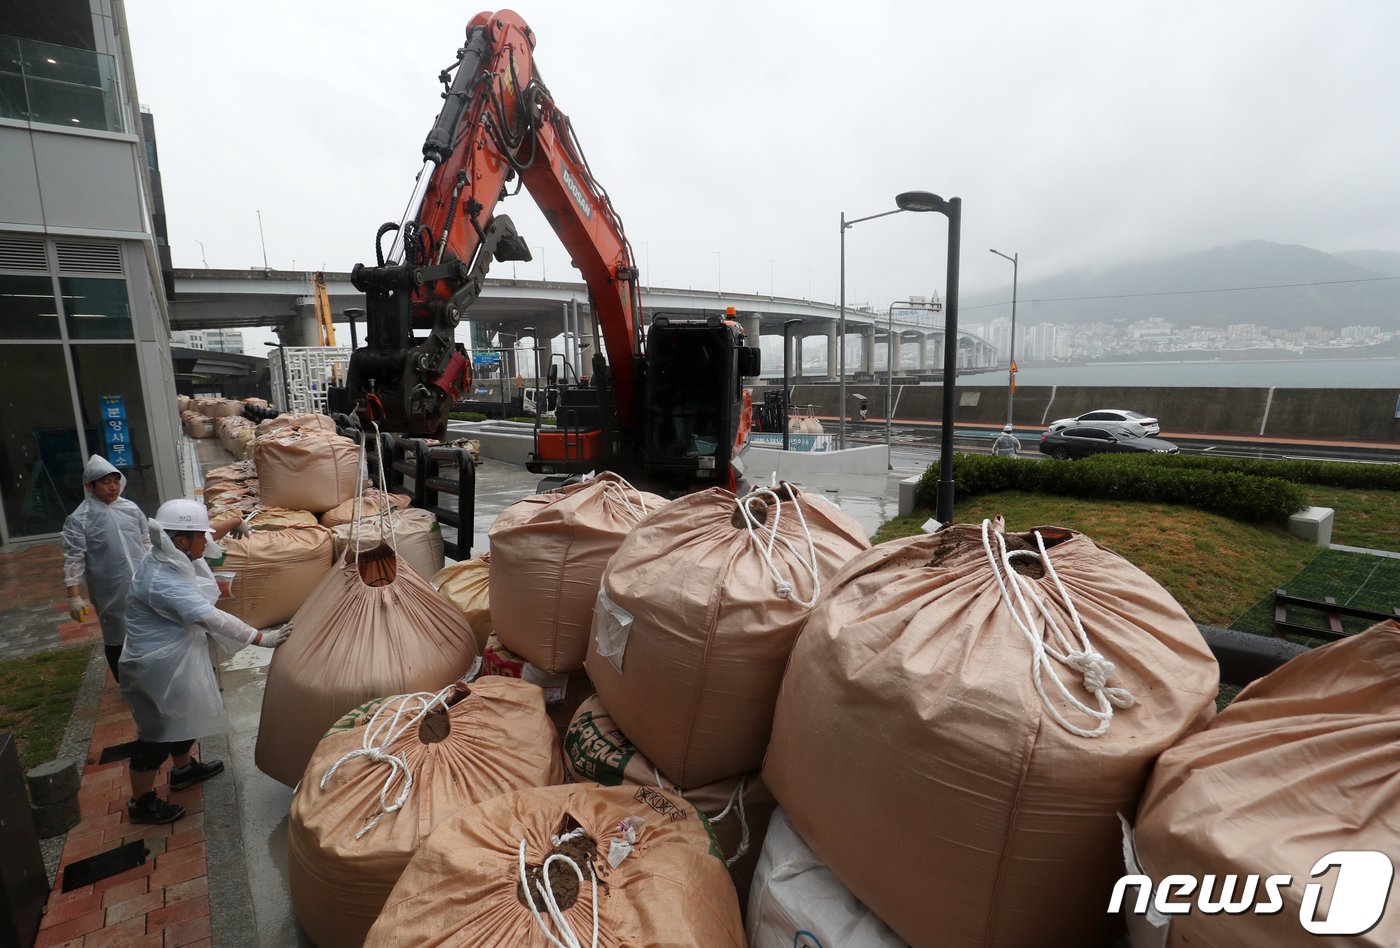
{"x": 182, "y": 403}
{"x": 307, "y": 422}
{"x": 738, "y": 808}
{"x": 345, "y": 852}
{"x": 1301, "y": 764}
{"x": 306, "y": 470}
{"x": 693, "y": 629}
{"x": 914, "y": 753}
{"x": 277, "y": 570}
{"x": 467, "y": 585}
{"x": 369, "y": 504}
{"x": 239, "y": 472}
{"x": 659, "y": 881}
{"x": 353, "y": 642}
{"x": 416, "y": 533}
{"x": 279, "y": 518}
{"x": 197, "y": 425}
{"x": 550, "y": 550}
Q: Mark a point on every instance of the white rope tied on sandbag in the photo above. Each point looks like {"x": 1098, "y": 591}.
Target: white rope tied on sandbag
{"x": 1095, "y": 670}
{"x": 783, "y": 586}
{"x": 379, "y": 735}
{"x": 546, "y": 887}
{"x": 736, "y": 804}
{"x": 616, "y": 492}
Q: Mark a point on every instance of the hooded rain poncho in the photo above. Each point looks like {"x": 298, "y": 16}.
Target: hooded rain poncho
{"x": 167, "y": 677}
{"x": 104, "y": 543}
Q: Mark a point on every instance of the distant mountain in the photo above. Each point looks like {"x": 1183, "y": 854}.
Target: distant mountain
{"x": 1384, "y": 262}
{"x": 1282, "y": 286}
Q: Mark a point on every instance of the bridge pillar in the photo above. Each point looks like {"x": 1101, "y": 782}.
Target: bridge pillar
{"x": 867, "y": 350}
{"x": 796, "y": 356}
{"x": 300, "y": 330}
{"x": 833, "y": 363}
{"x": 923, "y": 352}
{"x": 752, "y": 326}
{"x": 894, "y": 363}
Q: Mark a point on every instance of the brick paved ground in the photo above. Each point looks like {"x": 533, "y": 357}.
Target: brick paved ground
{"x": 164, "y": 902}
{"x": 36, "y": 604}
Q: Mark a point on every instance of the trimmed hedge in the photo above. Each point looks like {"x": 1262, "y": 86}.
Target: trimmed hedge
{"x": 1125, "y": 477}
{"x": 1322, "y": 473}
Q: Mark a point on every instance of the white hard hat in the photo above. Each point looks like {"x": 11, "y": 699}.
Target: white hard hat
{"x": 188, "y": 515}
{"x": 1006, "y": 428}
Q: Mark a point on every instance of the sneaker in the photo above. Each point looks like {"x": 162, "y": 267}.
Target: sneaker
{"x": 193, "y": 772}
{"x": 152, "y": 809}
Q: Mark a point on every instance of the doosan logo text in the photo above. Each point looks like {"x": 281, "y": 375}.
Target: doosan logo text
{"x": 1360, "y": 890}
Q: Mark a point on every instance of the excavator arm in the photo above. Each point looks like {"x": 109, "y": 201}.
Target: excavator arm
{"x": 498, "y": 124}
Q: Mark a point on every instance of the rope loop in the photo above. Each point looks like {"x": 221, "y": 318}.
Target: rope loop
{"x": 379, "y": 735}
{"x": 764, "y": 535}
{"x": 1050, "y": 642}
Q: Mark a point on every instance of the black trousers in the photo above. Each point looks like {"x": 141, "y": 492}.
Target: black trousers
{"x": 149, "y": 755}
{"x": 114, "y": 655}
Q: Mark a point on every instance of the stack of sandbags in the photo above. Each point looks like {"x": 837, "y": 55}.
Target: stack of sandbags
{"x": 197, "y": 425}
{"x": 370, "y": 503}
{"x": 372, "y": 627}
{"x": 964, "y": 717}
{"x": 793, "y": 891}
{"x": 310, "y": 422}
{"x": 239, "y": 472}
{"x": 231, "y": 490}
{"x": 465, "y": 745}
{"x": 636, "y": 865}
{"x": 276, "y": 572}
{"x": 415, "y": 534}
{"x": 182, "y": 403}
{"x": 697, "y": 614}
{"x": 234, "y": 432}
{"x": 550, "y": 550}
{"x": 467, "y": 585}
{"x": 738, "y": 808}
{"x": 1301, "y": 765}
{"x": 306, "y": 469}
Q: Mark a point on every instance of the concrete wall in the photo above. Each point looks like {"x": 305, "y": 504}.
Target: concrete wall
{"x": 1332, "y": 414}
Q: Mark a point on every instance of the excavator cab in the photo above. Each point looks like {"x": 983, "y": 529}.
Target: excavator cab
{"x": 696, "y": 411}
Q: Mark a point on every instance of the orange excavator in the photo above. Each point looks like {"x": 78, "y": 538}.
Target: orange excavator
{"x": 663, "y": 404}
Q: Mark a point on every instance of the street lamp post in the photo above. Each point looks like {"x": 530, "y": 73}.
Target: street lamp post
{"x": 1015, "y": 259}
{"x": 787, "y": 390}
{"x": 841, "y": 319}
{"x": 951, "y": 209}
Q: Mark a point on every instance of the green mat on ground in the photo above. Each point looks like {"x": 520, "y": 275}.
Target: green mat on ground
{"x": 1353, "y": 579}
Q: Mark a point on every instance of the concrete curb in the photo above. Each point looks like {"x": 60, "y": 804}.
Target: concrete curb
{"x": 76, "y": 738}
{"x": 230, "y": 898}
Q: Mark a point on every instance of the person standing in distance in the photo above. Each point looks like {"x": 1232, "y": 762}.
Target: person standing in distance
{"x": 104, "y": 540}
{"x": 167, "y": 677}
{"x": 1007, "y": 445}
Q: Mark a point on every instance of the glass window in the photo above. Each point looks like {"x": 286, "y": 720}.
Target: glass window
{"x": 96, "y": 309}
{"x": 41, "y": 462}
{"x": 108, "y": 377}
{"x": 27, "y": 308}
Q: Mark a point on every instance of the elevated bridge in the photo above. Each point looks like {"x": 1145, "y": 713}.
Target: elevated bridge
{"x": 281, "y": 299}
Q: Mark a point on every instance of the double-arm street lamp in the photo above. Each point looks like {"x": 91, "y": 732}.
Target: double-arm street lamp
{"x": 841, "y": 320}
{"x": 1015, "y": 259}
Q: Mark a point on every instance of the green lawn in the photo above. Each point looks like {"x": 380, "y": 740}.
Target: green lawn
{"x": 1365, "y": 518}
{"x": 1215, "y": 567}
{"x": 36, "y": 700}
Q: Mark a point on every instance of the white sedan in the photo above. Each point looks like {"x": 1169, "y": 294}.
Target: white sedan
{"x": 1134, "y": 423}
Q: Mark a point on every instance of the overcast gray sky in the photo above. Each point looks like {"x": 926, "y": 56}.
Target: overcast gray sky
{"x": 732, "y": 135}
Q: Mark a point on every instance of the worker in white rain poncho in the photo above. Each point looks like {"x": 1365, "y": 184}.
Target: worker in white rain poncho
{"x": 103, "y": 542}
{"x": 1007, "y": 445}
{"x": 167, "y": 677}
